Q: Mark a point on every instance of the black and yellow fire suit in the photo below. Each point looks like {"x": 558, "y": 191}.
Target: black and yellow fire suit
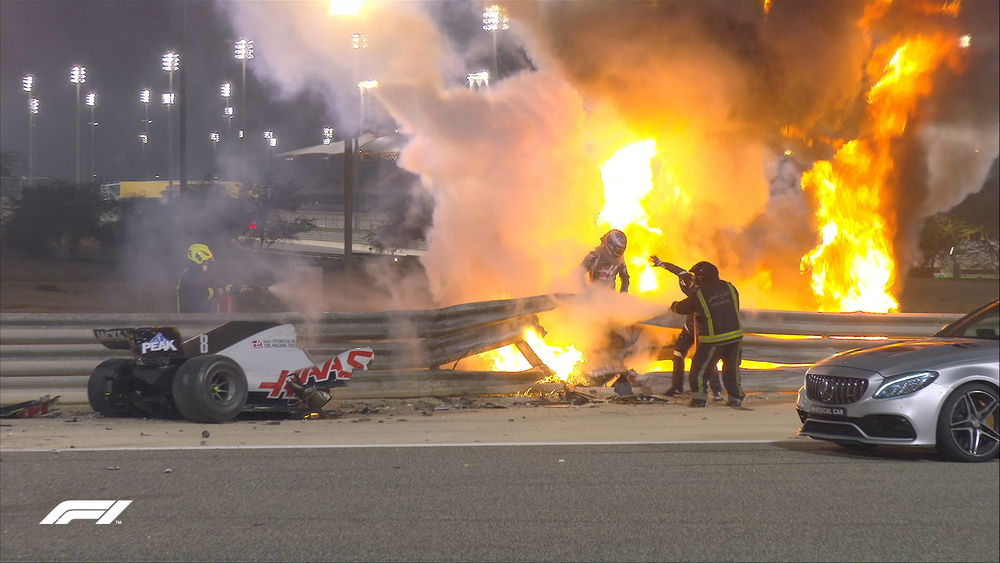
{"x": 719, "y": 333}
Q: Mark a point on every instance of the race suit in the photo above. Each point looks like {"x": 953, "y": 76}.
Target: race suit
{"x": 686, "y": 339}
{"x": 716, "y": 306}
{"x": 603, "y": 267}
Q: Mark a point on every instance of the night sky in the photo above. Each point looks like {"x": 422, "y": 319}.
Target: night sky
{"x": 121, "y": 44}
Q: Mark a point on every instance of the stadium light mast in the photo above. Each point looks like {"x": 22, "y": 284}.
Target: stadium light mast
{"x": 28, "y": 85}
{"x": 145, "y": 96}
{"x": 78, "y": 76}
{"x": 171, "y": 64}
{"x": 494, "y": 21}
{"x": 92, "y": 102}
{"x": 244, "y": 52}
{"x": 227, "y": 91}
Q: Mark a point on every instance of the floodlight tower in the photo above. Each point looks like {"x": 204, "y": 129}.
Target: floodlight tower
{"x": 494, "y": 21}
{"x": 272, "y": 143}
{"x": 171, "y": 64}
{"x": 92, "y": 102}
{"x": 244, "y": 53}
{"x": 145, "y": 96}
{"x": 28, "y": 85}
{"x": 364, "y": 89}
{"x": 227, "y": 91}
{"x": 78, "y": 76}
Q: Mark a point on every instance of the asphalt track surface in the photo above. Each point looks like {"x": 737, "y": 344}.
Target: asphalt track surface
{"x": 793, "y": 500}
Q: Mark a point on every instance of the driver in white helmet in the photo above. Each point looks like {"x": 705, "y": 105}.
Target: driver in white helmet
{"x": 606, "y": 263}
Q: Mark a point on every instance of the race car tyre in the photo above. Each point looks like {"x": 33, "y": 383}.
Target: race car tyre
{"x": 97, "y": 387}
{"x": 967, "y": 428}
{"x": 210, "y": 389}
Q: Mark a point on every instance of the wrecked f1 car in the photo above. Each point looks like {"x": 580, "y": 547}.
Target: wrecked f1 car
{"x": 239, "y": 366}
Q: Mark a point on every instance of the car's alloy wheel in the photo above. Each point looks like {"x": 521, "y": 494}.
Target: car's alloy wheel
{"x": 967, "y": 428}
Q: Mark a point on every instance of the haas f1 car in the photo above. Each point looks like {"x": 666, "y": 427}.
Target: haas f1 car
{"x": 239, "y": 366}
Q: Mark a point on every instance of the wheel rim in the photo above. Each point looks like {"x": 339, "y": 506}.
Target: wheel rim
{"x": 222, "y": 388}
{"x": 974, "y": 423}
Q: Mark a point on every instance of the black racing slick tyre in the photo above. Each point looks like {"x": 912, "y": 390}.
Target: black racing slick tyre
{"x": 210, "y": 389}
{"x": 100, "y": 383}
{"x": 967, "y": 428}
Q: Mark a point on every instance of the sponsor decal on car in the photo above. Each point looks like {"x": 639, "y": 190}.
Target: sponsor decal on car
{"x": 275, "y": 343}
{"x": 158, "y": 343}
{"x": 339, "y": 368}
{"x": 111, "y": 333}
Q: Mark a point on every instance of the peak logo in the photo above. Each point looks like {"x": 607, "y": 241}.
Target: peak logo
{"x": 158, "y": 343}
{"x": 104, "y": 511}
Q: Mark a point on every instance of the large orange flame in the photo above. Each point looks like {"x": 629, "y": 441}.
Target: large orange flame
{"x": 852, "y": 269}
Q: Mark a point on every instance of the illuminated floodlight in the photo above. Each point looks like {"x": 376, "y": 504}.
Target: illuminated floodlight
{"x": 215, "y": 137}
{"x": 33, "y": 105}
{"x": 28, "y": 83}
{"x": 495, "y": 19}
{"x": 91, "y": 99}
{"x": 78, "y": 74}
{"x": 171, "y": 61}
{"x": 143, "y": 138}
{"x": 145, "y": 95}
{"x": 244, "y": 49}
{"x": 272, "y": 142}
{"x": 359, "y": 41}
{"x": 226, "y": 89}
{"x": 228, "y": 111}
{"x": 328, "y": 135}
{"x": 481, "y": 78}
{"x": 965, "y": 41}
{"x": 268, "y": 134}
{"x": 345, "y": 7}
{"x": 368, "y": 84}
{"x": 167, "y": 98}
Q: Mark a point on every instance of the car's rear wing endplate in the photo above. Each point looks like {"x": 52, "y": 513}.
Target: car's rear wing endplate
{"x": 115, "y": 338}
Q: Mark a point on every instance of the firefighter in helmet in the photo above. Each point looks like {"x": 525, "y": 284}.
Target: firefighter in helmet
{"x": 197, "y": 291}
{"x": 686, "y": 340}
{"x": 606, "y": 263}
{"x": 719, "y": 330}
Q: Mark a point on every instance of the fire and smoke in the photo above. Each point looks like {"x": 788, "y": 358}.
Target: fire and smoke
{"x": 730, "y": 106}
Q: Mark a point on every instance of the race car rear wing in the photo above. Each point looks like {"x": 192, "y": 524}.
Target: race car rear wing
{"x": 153, "y": 342}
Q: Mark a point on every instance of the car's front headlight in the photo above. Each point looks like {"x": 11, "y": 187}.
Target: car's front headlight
{"x": 899, "y": 385}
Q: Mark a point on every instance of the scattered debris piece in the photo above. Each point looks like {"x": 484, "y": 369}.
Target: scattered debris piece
{"x": 205, "y": 434}
{"x": 113, "y": 468}
{"x": 640, "y": 399}
{"x": 168, "y": 470}
{"x": 29, "y": 409}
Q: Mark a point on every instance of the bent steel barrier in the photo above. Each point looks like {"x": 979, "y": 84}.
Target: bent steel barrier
{"x": 411, "y": 347}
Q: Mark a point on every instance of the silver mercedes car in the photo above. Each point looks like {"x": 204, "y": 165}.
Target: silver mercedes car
{"x": 939, "y": 392}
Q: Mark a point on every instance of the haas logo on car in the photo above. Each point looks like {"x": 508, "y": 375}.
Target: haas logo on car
{"x": 340, "y": 368}
{"x": 158, "y": 343}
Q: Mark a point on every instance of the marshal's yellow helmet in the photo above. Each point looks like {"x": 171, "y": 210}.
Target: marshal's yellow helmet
{"x": 199, "y": 253}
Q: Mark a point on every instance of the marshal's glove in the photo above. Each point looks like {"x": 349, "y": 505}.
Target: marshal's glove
{"x": 655, "y": 260}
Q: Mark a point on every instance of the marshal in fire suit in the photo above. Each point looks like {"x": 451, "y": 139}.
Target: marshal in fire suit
{"x": 686, "y": 339}
{"x": 197, "y": 291}
{"x": 719, "y": 330}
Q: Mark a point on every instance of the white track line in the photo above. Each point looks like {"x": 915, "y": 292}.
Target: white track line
{"x": 365, "y": 446}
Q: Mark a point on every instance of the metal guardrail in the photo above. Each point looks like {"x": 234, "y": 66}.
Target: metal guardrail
{"x": 411, "y": 346}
